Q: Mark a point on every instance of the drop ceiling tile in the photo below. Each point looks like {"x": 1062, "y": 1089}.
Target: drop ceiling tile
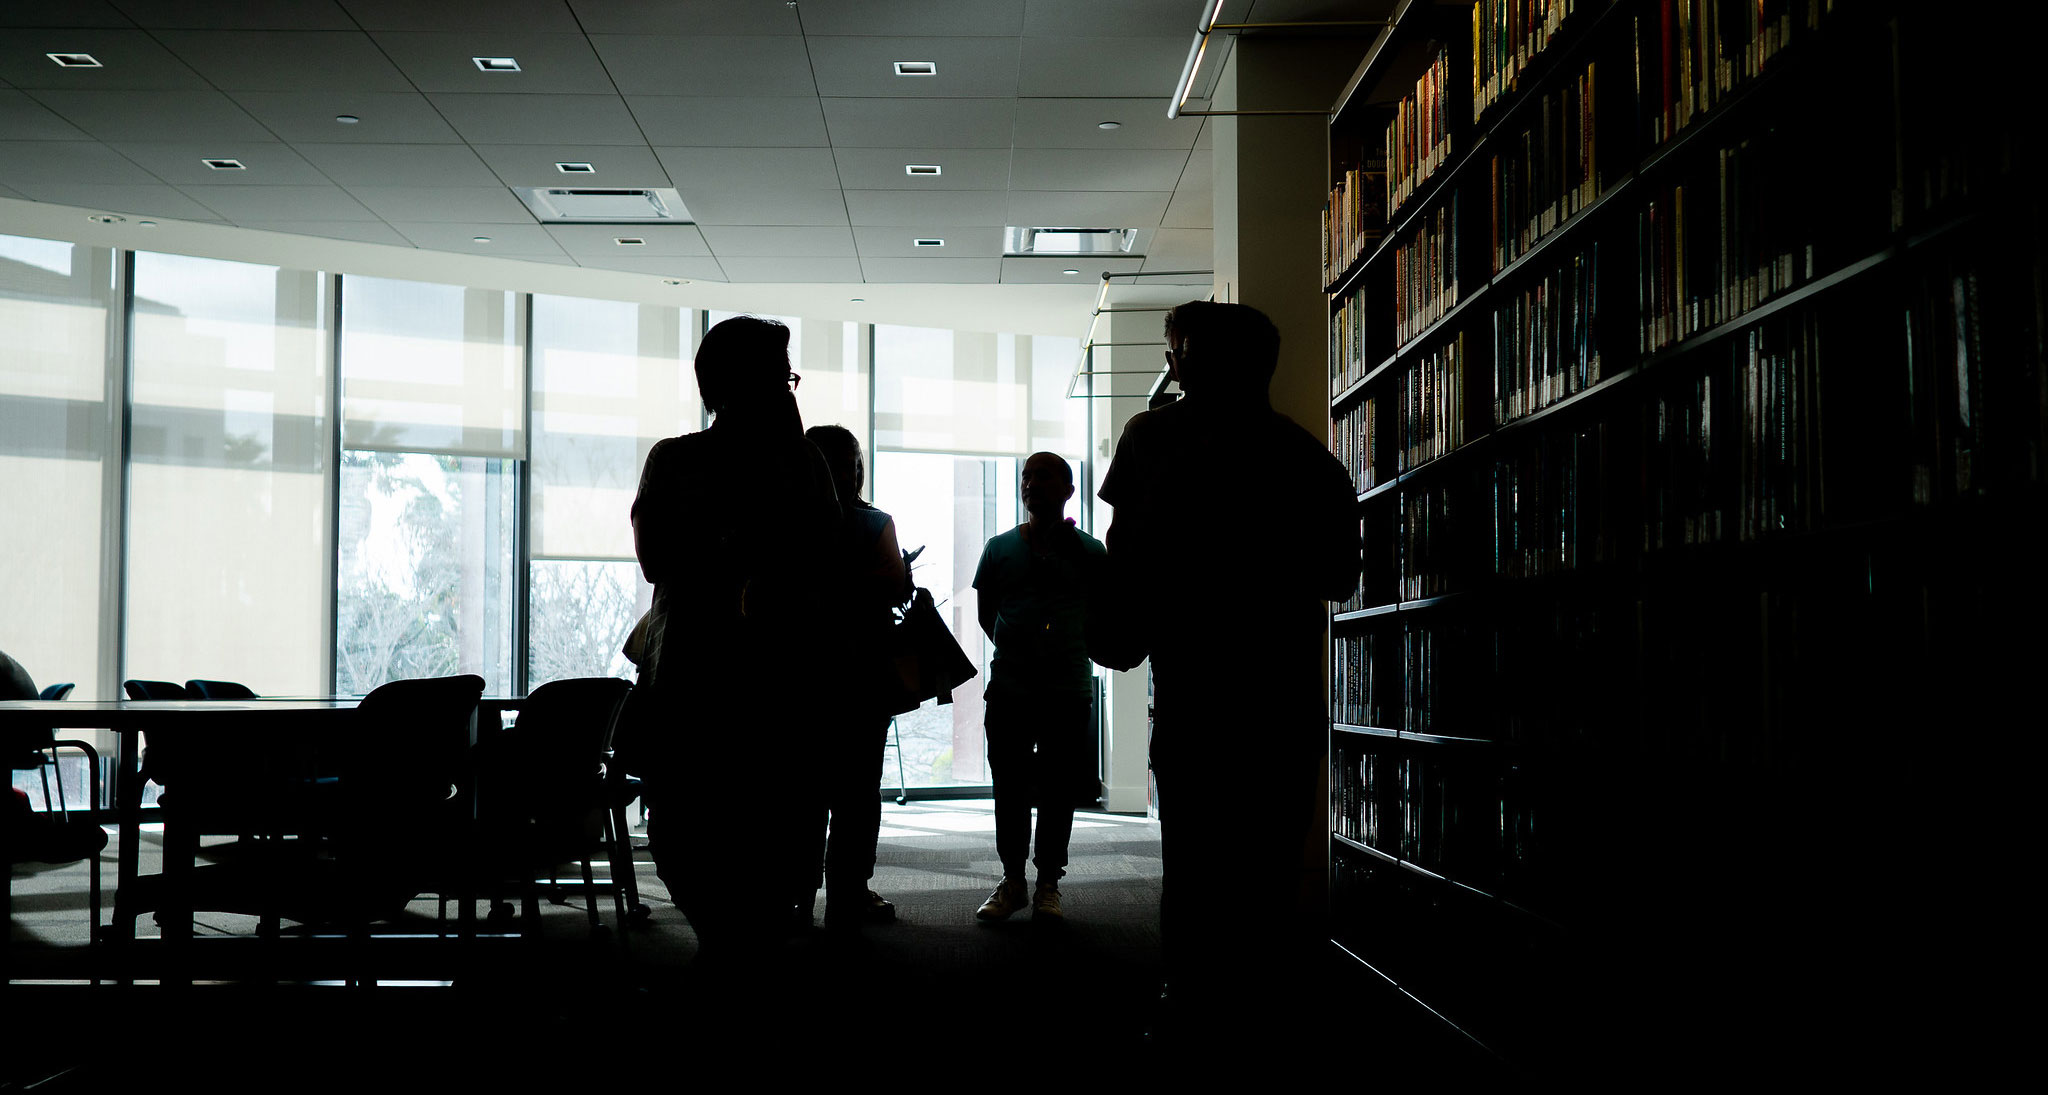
{"x": 488, "y": 205}
{"x": 534, "y": 165}
{"x": 149, "y": 201}
{"x": 903, "y": 123}
{"x": 237, "y": 15}
{"x": 286, "y": 60}
{"x": 457, "y": 236}
{"x": 24, "y": 119}
{"x": 280, "y": 203}
{"x": 400, "y": 164}
{"x": 694, "y": 269}
{"x": 756, "y": 241}
{"x": 1053, "y": 18}
{"x": 27, "y": 163}
{"x": 360, "y": 231}
{"x": 914, "y": 17}
{"x": 730, "y": 121}
{"x": 382, "y": 117}
{"x": 736, "y": 168}
{"x": 841, "y": 270}
{"x": 910, "y": 207}
{"x": 967, "y": 67}
{"x": 75, "y": 13}
{"x": 1200, "y": 174}
{"x": 1207, "y": 141}
{"x": 890, "y": 242}
{"x": 1051, "y": 271}
{"x": 1076, "y": 123}
{"x": 166, "y": 115}
{"x": 1094, "y": 209}
{"x": 959, "y": 168}
{"x": 691, "y": 17}
{"x": 264, "y": 163}
{"x": 549, "y": 64}
{"x": 1180, "y": 249}
{"x": 540, "y": 119}
{"x": 6, "y": 192}
{"x": 934, "y": 271}
{"x": 664, "y": 64}
{"x": 1097, "y": 169}
{"x": 1103, "y": 67}
{"x": 600, "y": 241}
{"x": 131, "y": 60}
{"x": 1190, "y": 209}
{"x": 791, "y": 204}
{"x": 538, "y": 16}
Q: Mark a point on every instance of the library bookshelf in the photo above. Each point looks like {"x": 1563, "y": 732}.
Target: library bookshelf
{"x": 1687, "y": 357}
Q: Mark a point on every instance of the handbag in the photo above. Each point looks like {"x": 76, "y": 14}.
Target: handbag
{"x": 926, "y": 659}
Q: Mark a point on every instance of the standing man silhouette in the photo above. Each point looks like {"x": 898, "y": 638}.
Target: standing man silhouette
{"x": 1038, "y": 583}
{"x": 1232, "y": 526}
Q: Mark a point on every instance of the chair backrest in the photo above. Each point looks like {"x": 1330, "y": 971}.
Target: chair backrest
{"x": 58, "y": 691}
{"x": 155, "y": 690}
{"x": 219, "y": 690}
{"x": 412, "y": 738}
{"x": 546, "y": 771}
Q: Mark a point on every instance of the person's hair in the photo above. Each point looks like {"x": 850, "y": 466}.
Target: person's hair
{"x": 1231, "y": 345}
{"x": 742, "y": 358}
{"x": 1066, "y": 469}
{"x": 842, "y": 455}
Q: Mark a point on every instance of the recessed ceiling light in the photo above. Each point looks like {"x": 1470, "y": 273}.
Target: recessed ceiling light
{"x": 226, "y": 165}
{"x": 479, "y": 239}
{"x": 105, "y": 218}
{"x": 675, "y": 281}
{"x": 496, "y": 64}
{"x": 574, "y": 168}
{"x": 145, "y": 224}
{"x": 928, "y": 243}
{"x": 857, "y": 300}
{"x": 347, "y": 119}
{"x": 629, "y": 241}
{"x": 920, "y": 169}
{"x": 1070, "y": 271}
{"x": 917, "y": 68}
{"x": 75, "y": 60}
{"x": 1109, "y": 125}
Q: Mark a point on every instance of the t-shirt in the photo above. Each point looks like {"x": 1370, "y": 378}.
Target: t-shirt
{"x": 1042, "y": 604}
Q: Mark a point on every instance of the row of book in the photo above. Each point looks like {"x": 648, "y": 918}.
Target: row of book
{"x": 1546, "y": 338}
{"x": 1426, "y": 272}
{"x": 1549, "y": 171}
{"x": 1432, "y": 401}
{"x": 1348, "y": 363}
{"x": 1429, "y": 534}
{"x": 1355, "y": 439}
{"x": 1549, "y": 504}
{"x": 1777, "y": 377}
{"x": 1355, "y": 220}
{"x": 1691, "y": 54}
{"x": 1461, "y": 817}
{"x": 1710, "y": 247}
{"x": 1419, "y": 136}
{"x": 1361, "y": 692}
{"x": 1506, "y": 36}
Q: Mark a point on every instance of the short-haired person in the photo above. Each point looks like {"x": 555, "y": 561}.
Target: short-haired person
{"x": 1038, "y": 584}
{"x": 1232, "y": 526}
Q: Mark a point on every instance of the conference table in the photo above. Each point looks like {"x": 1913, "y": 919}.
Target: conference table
{"x": 129, "y": 719}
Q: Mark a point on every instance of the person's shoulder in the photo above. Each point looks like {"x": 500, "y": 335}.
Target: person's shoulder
{"x": 1090, "y": 544}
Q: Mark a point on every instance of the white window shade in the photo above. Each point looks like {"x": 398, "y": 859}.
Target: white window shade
{"x": 975, "y": 392}
{"x": 829, "y": 356}
{"x": 431, "y": 368}
{"x": 610, "y": 379}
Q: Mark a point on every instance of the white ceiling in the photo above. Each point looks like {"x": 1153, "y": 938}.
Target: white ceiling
{"x": 782, "y": 125}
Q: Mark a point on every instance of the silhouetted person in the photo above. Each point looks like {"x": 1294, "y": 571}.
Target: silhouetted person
{"x": 731, "y": 525}
{"x": 1232, "y": 526}
{"x": 866, "y": 577}
{"x": 1038, "y": 583}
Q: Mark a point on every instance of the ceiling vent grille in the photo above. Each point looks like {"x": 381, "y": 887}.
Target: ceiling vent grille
{"x": 603, "y": 205}
{"x": 1068, "y": 241}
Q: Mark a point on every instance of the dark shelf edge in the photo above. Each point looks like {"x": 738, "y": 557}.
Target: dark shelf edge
{"x": 1365, "y": 731}
{"x": 1365, "y": 613}
{"x": 1343, "y": 841}
{"x": 1371, "y": 493}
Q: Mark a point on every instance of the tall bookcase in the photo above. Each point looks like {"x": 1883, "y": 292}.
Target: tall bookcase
{"x": 1688, "y": 357}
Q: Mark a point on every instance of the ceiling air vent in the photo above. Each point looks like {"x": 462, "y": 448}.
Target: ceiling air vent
{"x": 917, "y": 68}
{"x": 74, "y": 60}
{"x": 1068, "y": 241}
{"x": 603, "y": 205}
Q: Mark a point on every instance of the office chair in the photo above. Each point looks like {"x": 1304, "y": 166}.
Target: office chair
{"x": 68, "y": 838}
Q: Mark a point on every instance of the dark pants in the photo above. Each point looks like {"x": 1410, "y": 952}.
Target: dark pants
{"x": 1037, "y": 747}
{"x": 849, "y": 802}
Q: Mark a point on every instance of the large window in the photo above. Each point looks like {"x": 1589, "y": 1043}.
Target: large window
{"x": 433, "y": 420}
{"x": 56, "y": 439}
{"x": 827, "y": 354}
{"x": 227, "y": 502}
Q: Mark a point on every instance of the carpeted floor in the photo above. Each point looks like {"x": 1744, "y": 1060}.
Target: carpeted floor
{"x": 935, "y": 989}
